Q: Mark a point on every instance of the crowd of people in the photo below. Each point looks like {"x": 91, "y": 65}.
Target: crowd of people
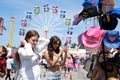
{"x": 26, "y": 62}
{"x": 35, "y": 51}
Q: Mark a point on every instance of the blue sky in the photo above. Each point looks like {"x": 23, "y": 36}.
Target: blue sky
{"x": 18, "y": 9}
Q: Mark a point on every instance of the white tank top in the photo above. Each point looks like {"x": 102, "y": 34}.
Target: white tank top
{"x": 58, "y": 62}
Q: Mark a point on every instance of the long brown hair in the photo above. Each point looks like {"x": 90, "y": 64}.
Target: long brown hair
{"x": 4, "y": 49}
{"x": 29, "y": 34}
{"x": 50, "y": 48}
{"x": 73, "y": 58}
{"x": 16, "y": 57}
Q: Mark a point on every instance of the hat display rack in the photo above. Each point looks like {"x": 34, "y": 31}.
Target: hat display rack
{"x": 106, "y": 15}
{"x": 100, "y": 6}
{"x": 104, "y": 12}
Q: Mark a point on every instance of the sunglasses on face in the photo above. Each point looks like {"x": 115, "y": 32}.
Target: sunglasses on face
{"x": 57, "y": 43}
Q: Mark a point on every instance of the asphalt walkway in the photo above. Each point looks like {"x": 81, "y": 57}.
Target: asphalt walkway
{"x": 77, "y": 75}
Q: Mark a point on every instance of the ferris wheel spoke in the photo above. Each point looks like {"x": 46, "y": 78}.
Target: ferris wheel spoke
{"x": 56, "y": 24}
{"x": 51, "y": 18}
{"x": 46, "y": 17}
{"x": 37, "y": 21}
{"x": 35, "y": 25}
{"x": 57, "y": 33}
{"x": 55, "y": 20}
{"x": 50, "y": 34}
{"x": 48, "y": 24}
{"x": 41, "y": 19}
{"x": 35, "y": 28}
{"x": 58, "y": 28}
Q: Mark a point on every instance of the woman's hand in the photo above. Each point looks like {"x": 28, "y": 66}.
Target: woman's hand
{"x": 63, "y": 49}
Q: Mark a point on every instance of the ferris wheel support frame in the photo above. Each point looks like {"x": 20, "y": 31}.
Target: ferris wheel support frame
{"x": 11, "y": 33}
{"x": 9, "y": 46}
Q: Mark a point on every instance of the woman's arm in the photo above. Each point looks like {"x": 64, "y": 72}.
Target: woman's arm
{"x": 43, "y": 43}
{"x": 64, "y": 56}
{"x": 64, "y": 59}
{"x": 54, "y": 61}
{"x": 2, "y": 74}
{"x": 26, "y": 51}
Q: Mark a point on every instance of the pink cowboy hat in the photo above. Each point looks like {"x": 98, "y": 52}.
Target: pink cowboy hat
{"x": 92, "y": 38}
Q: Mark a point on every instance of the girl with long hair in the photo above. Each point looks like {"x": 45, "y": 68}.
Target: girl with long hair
{"x": 55, "y": 58}
{"x": 70, "y": 65}
{"x": 29, "y": 57}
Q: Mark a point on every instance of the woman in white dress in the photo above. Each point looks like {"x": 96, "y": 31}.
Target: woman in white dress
{"x": 28, "y": 55}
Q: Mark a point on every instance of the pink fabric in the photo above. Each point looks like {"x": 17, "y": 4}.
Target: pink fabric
{"x": 92, "y": 37}
{"x": 70, "y": 64}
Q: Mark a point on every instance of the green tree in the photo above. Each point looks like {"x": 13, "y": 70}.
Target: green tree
{"x": 73, "y": 45}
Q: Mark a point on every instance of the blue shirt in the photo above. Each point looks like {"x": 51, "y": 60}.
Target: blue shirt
{"x": 9, "y": 63}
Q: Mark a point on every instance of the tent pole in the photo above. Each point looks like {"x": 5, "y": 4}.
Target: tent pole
{"x": 100, "y": 23}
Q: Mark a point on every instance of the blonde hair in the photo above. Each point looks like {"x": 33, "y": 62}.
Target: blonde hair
{"x": 112, "y": 78}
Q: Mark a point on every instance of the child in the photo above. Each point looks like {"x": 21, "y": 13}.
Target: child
{"x": 70, "y": 66}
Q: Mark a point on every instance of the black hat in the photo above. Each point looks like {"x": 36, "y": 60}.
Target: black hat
{"x": 108, "y": 22}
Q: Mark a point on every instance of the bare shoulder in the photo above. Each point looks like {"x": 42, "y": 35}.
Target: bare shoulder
{"x": 45, "y": 53}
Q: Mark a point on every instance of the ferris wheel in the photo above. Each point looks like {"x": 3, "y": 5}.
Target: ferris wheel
{"x": 47, "y": 22}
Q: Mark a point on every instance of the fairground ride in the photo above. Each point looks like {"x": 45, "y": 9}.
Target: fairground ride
{"x": 9, "y": 46}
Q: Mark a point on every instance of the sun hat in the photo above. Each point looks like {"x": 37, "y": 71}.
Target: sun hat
{"x": 111, "y": 39}
{"x": 89, "y": 11}
{"x": 115, "y": 12}
{"x": 92, "y": 38}
{"x": 90, "y": 3}
{"x": 108, "y": 22}
{"x": 77, "y": 19}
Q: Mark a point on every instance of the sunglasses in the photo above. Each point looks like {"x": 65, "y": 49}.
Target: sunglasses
{"x": 57, "y": 43}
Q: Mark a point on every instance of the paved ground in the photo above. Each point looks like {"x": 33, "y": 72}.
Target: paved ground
{"x": 77, "y": 75}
